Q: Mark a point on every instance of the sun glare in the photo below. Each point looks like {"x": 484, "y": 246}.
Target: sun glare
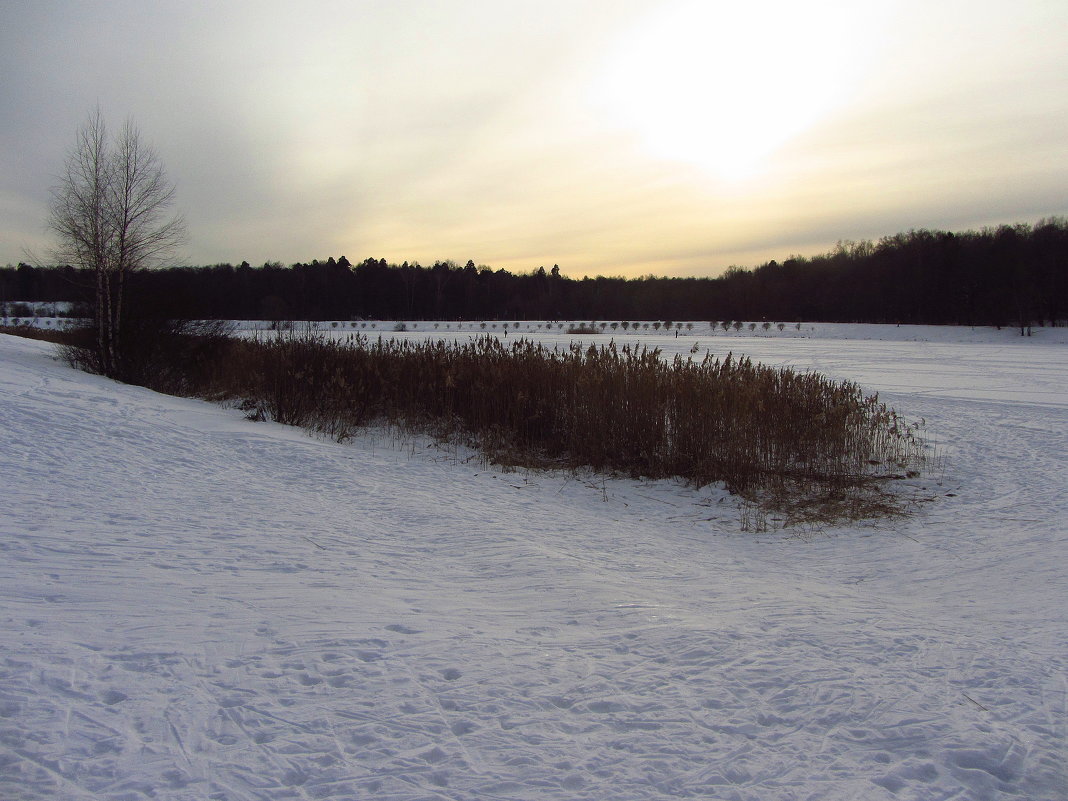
{"x": 724, "y": 85}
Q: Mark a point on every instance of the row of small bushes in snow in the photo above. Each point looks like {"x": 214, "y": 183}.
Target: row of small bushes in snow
{"x": 574, "y": 327}
{"x": 761, "y": 431}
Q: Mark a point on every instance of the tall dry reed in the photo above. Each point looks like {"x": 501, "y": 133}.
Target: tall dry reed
{"x": 624, "y": 409}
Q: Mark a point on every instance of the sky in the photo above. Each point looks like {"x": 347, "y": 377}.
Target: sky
{"x": 610, "y": 137}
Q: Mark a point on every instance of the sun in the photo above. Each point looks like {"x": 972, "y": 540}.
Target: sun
{"x": 724, "y": 85}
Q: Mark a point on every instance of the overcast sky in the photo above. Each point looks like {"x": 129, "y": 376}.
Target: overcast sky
{"x": 611, "y": 137}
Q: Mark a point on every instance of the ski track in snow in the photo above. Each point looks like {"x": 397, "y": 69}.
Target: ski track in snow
{"x": 195, "y": 606}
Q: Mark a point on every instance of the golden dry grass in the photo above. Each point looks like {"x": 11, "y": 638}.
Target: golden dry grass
{"x": 786, "y": 439}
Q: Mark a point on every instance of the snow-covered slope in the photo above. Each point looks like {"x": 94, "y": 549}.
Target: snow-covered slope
{"x": 195, "y": 606}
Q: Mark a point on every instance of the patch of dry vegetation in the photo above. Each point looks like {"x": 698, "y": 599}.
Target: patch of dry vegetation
{"x": 799, "y": 443}
{"x": 797, "y": 446}
{"x": 60, "y": 336}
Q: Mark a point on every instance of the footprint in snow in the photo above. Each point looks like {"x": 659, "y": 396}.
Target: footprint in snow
{"x": 399, "y": 629}
{"x": 434, "y": 755}
{"x": 112, "y": 697}
{"x": 462, "y": 727}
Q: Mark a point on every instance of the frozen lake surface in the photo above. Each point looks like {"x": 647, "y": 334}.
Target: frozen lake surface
{"x": 197, "y": 606}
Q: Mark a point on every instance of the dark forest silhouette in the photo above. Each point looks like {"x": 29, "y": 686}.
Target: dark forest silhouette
{"x": 1012, "y": 275}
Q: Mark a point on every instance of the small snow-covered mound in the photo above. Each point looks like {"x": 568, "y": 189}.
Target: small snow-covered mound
{"x": 198, "y": 606}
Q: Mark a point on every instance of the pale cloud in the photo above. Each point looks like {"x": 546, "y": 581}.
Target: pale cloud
{"x": 456, "y": 129}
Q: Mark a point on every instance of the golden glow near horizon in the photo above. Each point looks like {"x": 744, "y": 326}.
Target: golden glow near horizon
{"x": 614, "y": 137}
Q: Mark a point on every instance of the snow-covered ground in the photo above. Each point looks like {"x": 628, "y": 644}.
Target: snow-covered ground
{"x": 555, "y": 330}
{"x": 195, "y": 606}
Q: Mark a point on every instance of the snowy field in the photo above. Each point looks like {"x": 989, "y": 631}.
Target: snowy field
{"x": 195, "y": 606}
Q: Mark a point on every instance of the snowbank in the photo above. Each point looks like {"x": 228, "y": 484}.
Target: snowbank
{"x": 197, "y": 606}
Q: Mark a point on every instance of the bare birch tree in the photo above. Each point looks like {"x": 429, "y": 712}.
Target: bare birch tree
{"x": 110, "y": 213}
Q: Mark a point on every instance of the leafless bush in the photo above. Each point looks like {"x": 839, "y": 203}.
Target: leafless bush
{"x": 174, "y": 356}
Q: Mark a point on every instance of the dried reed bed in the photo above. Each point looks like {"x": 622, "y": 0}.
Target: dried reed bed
{"x": 59, "y": 335}
{"x": 768, "y": 433}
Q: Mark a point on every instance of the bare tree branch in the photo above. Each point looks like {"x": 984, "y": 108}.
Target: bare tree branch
{"x": 109, "y": 212}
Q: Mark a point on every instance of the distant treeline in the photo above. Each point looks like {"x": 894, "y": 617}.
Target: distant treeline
{"x": 1011, "y": 275}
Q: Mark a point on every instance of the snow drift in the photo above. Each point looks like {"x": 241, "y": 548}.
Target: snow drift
{"x": 198, "y": 606}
